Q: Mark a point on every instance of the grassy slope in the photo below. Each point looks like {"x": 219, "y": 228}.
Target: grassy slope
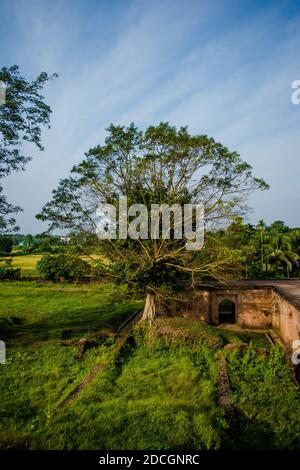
{"x": 40, "y": 371}
{"x": 160, "y": 393}
{"x": 32, "y": 312}
{"x": 33, "y": 382}
{"x": 267, "y": 400}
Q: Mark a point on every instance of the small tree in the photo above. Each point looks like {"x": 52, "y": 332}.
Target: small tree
{"x": 7, "y": 271}
{"x": 162, "y": 165}
{"x": 6, "y": 245}
{"x": 21, "y": 118}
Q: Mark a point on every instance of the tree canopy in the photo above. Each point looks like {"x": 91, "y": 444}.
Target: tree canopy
{"x": 161, "y": 165}
{"x": 22, "y": 117}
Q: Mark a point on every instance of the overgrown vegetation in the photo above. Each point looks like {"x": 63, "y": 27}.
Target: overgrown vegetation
{"x": 159, "y": 391}
{"x": 162, "y": 396}
{"x": 66, "y": 267}
{"x": 156, "y": 394}
{"x": 7, "y": 271}
{"x": 32, "y": 384}
{"x": 266, "y": 399}
{"x": 267, "y": 251}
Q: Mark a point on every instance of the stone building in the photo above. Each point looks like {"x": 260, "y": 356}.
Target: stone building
{"x": 250, "y": 304}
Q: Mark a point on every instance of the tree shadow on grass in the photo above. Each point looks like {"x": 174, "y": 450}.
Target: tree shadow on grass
{"x": 85, "y": 323}
{"x": 251, "y": 434}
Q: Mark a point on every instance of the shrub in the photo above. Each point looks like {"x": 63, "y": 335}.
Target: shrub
{"x": 62, "y": 266}
{"x": 6, "y": 244}
{"x": 7, "y": 271}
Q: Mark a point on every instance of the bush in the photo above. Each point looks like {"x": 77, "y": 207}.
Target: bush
{"x": 62, "y": 266}
{"x": 9, "y": 272}
{"x": 6, "y": 244}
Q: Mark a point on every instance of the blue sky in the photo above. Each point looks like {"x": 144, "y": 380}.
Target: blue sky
{"x": 224, "y": 68}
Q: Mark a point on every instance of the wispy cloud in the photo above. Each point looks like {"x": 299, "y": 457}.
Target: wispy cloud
{"x": 220, "y": 70}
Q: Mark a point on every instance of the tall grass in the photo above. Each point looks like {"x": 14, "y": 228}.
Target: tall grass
{"x": 267, "y": 400}
{"x": 162, "y": 396}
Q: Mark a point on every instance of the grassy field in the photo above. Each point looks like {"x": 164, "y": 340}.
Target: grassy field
{"x": 27, "y": 263}
{"x": 32, "y": 312}
{"x": 153, "y": 395}
{"x": 158, "y": 392}
{"x": 160, "y": 396}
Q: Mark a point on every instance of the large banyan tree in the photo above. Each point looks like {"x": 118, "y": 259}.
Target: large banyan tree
{"x": 160, "y": 167}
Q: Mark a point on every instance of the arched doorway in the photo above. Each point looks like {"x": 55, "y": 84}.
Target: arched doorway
{"x": 226, "y": 311}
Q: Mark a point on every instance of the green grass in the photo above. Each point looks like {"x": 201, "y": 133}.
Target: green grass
{"x": 157, "y": 395}
{"x": 33, "y": 382}
{"x": 158, "y": 392}
{"x": 266, "y": 399}
{"x": 40, "y": 370}
{"x": 32, "y": 312}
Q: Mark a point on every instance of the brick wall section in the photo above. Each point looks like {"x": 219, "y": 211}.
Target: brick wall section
{"x": 256, "y": 306}
{"x": 285, "y": 319}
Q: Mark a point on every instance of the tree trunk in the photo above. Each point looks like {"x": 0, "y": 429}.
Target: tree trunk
{"x": 262, "y": 252}
{"x": 149, "y": 309}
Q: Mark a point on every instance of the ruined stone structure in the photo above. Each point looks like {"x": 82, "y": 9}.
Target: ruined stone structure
{"x": 250, "y": 304}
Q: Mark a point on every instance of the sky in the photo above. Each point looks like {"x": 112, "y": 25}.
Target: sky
{"x": 223, "y": 68}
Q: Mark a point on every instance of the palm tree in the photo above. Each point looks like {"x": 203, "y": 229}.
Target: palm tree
{"x": 295, "y": 236}
{"x": 279, "y": 251}
{"x": 261, "y": 227}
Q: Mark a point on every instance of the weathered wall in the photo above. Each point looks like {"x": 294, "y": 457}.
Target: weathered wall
{"x": 285, "y": 319}
{"x": 198, "y": 305}
{"x": 254, "y": 308}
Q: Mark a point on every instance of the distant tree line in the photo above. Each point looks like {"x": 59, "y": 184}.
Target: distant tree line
{"x": 44, "y": 243}
{"x": 261, "y": 251}
{"x": 266, "y": 251}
